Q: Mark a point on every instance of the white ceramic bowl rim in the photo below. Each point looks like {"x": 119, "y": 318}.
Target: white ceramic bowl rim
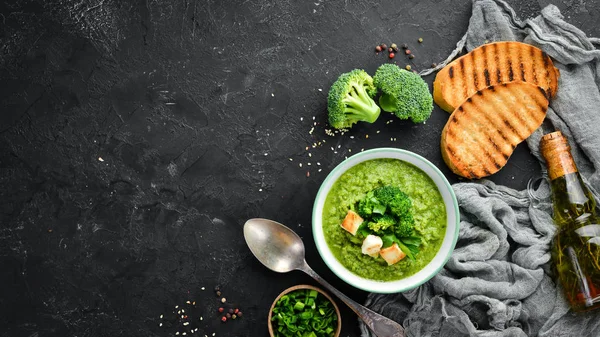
{"x": 438, "y": 261}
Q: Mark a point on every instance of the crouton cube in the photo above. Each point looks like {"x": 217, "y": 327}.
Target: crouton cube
{"x": 351, "y": 222}
{"x": 371, "y": 245}
{"x": 392, "y": 254}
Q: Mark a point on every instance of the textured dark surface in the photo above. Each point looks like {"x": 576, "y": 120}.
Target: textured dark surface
{"x": 136, "y": 137}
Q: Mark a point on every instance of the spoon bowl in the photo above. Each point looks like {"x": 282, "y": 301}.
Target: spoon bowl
{"x": 274, "y": 245}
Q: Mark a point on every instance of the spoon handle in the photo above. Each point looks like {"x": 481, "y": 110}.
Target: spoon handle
{"x": 381, "y": 326}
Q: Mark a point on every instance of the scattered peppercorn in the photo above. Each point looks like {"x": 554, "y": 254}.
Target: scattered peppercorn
{"x": 394, "y": 47}
{"x": 230, "y": 311}
{"x": 218, "y": 293}
{"x": 217, "y": 288}
{"x": 407, "y": 52}
{"x": 383, "y": 46}
{"x": 228, "y": 315}
{"x": 223, "y": 319}
{"x": 404, "y": 46}
{"x": 236, "y": 311}
{"x": 392, "y": 55}
{"x": 239, "y": 314}
{"x": 221, "y": 309}
{"x": 223, "y": 300}
{"x": 233, "y": 316}
{"x": 433, "y": 65}
{"x": 420, "y": 40}
{"x": 408, "y": 67}
{"x": 390, "y": 49}
{"x": 378, "y": 49}
{"x": 411, "y": 56}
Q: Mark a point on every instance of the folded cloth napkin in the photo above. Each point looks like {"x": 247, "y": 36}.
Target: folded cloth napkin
{"x": 498, "y": 281}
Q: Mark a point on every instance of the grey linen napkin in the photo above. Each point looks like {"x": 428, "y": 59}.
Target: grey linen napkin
{"x": 498, "y": 281}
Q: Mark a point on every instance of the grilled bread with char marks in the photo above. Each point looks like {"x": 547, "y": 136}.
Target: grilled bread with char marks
{"x": 482, "y": 133}
{"x": 491, "y": 64}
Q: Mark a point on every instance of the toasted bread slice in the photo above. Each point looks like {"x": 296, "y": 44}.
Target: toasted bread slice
{"x": 491, "y": 64}
{"x": 482, "y": 133}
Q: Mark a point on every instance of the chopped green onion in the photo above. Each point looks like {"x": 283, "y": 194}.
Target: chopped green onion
{"x": 304, "y": 313}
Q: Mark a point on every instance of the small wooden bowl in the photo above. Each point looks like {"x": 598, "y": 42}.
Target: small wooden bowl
{"x": 306, "y": 286}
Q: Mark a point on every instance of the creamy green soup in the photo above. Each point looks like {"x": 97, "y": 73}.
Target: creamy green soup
{"x": 429, "y": 213}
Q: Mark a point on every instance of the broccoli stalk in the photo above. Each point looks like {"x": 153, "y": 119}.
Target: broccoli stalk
{"x": 404, "y": 93}
{"x": 350, "y": 100}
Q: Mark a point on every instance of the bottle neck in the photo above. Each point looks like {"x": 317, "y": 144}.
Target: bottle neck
{"x": 557, "y": 153}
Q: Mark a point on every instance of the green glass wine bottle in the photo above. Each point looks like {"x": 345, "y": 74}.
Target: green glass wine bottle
{"x": 576, "y": 245}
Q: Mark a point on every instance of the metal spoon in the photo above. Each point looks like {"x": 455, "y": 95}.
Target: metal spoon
{"x": 281, "y": 249}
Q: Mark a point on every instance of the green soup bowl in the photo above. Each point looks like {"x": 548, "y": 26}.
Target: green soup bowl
{"x": 417, "y": 276}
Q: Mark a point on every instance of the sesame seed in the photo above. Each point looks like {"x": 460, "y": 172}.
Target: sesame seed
{"x": 301, "y": 119}
{"x": 194, "y": 303}
{"x": 183, "y": 311}
{"x": 186, "y": 323}
{"x": 272, "y": 94}
{"x": 349, "y": 150}
{"x": 351, "y": 137}
{"x": 176, "y": 306}
{"x": 367, "y": 136}
{"x": 201, "y": 318}
{"x": 100, "y": 159}
{"x": 260, "y": 189}
{"x": 291, "y": 159}
{"x": 335, "y": 152}
{"x": 332, "y": 148}
{"x": 339, "y": 146}
{"x": 160, "y": 324}
{"x": 320, "y": 89}
{"x": 184, "y": 333}
{"x": 320, "y": 170}
{"x": 266, "y": 154}
{"x": 177, "y": 333}
{"x": 310, "y": 154}
{"x": 300, "y": 164}
{"x": 179, "y": 312}
{"x": 161, "y": 316}
{"x": 378, "y": 131}
{"x": 307, "y": 148}
{"x": 308, "y": 164}
{"x": 188, "y": 302}
{"x": 318, "y": 163}
{"x": 313, "y": 118}
{"x": 361, "y": 150}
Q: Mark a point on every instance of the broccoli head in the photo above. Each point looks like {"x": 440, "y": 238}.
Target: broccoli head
{"x": 380, "y": 223}
{"x": 369, "y": 205}
{"x": 350, "y": 100}
{"x": 405, "y": 226}
{"x": 396, "y": 201}
{"x": 403, "y": 92}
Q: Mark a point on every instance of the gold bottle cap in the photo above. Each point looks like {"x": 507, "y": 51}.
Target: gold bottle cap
{"x": 557, "y": 153}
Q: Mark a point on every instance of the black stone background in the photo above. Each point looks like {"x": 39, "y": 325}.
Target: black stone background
{"x": 196, "y": 108}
